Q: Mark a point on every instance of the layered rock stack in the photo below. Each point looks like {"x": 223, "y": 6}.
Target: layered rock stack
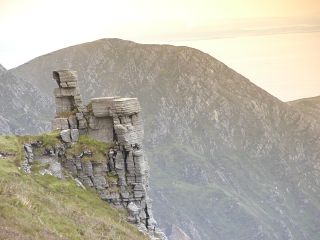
{"x": 68, "y": 103}
{"x": 121, "y": 176}
{"x": 67, "y": 95}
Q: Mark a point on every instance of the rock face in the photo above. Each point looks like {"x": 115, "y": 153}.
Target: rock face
{"x": 23, "y": 108}
{"x": 121, "y": 176}
{"x": 229, "y": 161}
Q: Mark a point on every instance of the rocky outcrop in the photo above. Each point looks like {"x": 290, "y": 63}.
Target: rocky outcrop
{"x": 118, "y": 170}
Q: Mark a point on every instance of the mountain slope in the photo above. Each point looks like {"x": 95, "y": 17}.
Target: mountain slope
{"x": 228, "y": 160}
{"x": 23, "y": 108}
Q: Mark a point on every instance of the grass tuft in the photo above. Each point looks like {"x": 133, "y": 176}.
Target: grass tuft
{"x": 86, "y": 143}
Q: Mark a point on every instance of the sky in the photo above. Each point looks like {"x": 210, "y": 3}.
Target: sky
{"x": 30, "y": 28}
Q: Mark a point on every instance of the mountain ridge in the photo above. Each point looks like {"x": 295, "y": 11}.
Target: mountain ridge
{"x": 117, "y": 40}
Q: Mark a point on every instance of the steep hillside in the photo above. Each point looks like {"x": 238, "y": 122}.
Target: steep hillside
{"x": 228, "y": 160}
{"x": 23, "y": 108}
{"x": 33, "y": 206}
{"x": 308, "y": 106}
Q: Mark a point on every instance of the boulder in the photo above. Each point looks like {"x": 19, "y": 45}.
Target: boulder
{"x": 60, "y": 123}
{"x": 62, "y": 76}
{"x": 72, "y": 120}
{"x": 103, "y": 107}
{"x": 65, "y": 135}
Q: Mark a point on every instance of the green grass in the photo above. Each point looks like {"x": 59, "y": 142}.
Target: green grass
{"x": 44, "y": 207}
{"x": 9, "y": 144}
{"x": 47, "y": 139}
{"x": 85, "y": 143}
{"x": 14, "y": 144}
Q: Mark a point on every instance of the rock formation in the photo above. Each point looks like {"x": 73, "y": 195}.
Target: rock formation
{"x": 121, "y": 176}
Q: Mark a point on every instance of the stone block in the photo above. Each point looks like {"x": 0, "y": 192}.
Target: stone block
{"x": 71, "y": 167}
{"x": 65, "y": 76}
{"x": 138, "y": 187}
{"x": 71, "y": 84}
{"x": 60, "y": 123}
{"x": 137, "y": 153}
{"x": 103, "y": 107}
{"x": 99, "y": 182}
{"x": 65, "y": 92}
{"x": 63, "y": 85}
{"x": 93, "y": 123}
{"x": 86, "y": 181}
{"x": 64, "y": 105}
{"x": 65, "y": 135}
{"x": 87, "y": 168}
{"x": 72, "y": 120}
{"x": 131, "y": 179}
{"x": 124, "y": 194}
{"x": 28, "y": 153}
{"x": 143, "y": 215}
{"x": 98, "y": 169}
{"x": 74, "y": 133}
{"x": 101, "y": 129}
{"x": 126, "y": 106}
{"x": 104, "y": 194}
{"x": 138, "y": 179}
{"x": 122, "y": 180}
{"x": 82, "y": 124}
{"x": 119, "y": 161}
{"x": 138, "y": 194}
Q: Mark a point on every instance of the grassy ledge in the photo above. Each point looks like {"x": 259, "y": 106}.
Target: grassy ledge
{"x": 85, "y": 143}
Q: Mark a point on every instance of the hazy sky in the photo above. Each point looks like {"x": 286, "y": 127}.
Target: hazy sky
{"x": 30, "y": 28}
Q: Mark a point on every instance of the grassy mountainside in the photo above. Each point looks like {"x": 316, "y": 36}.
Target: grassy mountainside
{"x": 228, "y": 160}
{"x": 44, "y": 207}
